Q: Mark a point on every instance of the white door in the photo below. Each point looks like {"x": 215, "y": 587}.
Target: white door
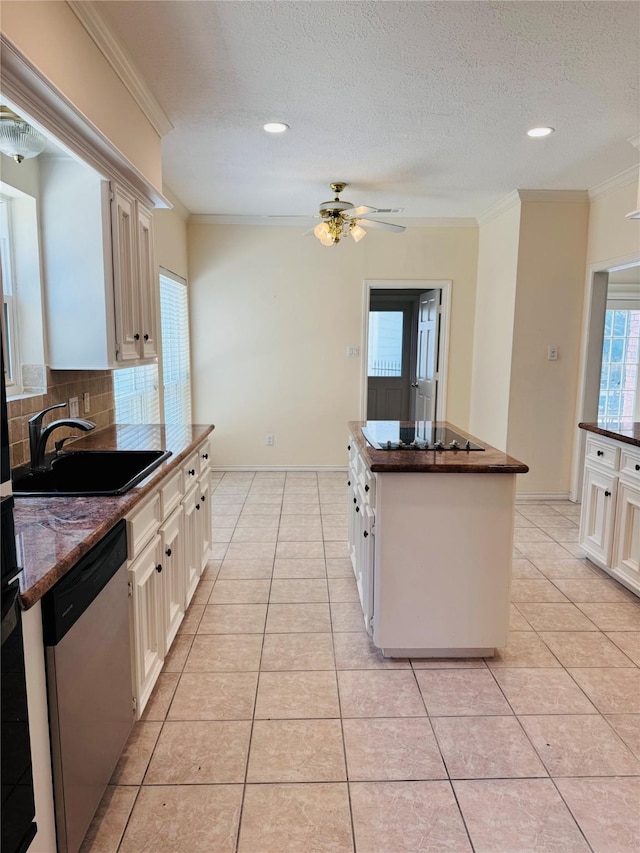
{"x": 426, "y": 384}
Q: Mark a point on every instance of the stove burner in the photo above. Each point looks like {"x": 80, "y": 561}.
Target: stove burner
{"x": 390, "y": 436}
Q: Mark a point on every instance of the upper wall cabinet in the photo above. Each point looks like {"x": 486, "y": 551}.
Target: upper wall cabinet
{"x": 100, "y": 285}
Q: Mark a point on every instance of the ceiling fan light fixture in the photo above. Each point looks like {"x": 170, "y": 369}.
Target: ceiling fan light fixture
{"x": 17, "y": 138}
{"x": 357, "y": 232}
{"x": 275, "y": 127}
{"x": 540, "y": 132}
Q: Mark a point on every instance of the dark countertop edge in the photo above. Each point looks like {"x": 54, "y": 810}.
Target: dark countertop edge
{"x": 634, "y": 440}
{"x": 118, "y": 507}
{"x": 475, "y": 463}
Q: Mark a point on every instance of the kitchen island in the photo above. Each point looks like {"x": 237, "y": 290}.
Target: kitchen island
{"x": 431, "y": 538}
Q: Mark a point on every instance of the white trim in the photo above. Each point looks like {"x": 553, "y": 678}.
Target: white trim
{"x": 622, "y": 179}
{"x": 35, "y": 97}
{"x": 499, "y": 207}
{"x": 419, "y": 285}
{"x": 179, "y": 279}
{"x": 555, "y": 196}
{"x": 116, "y": 54}
{"x": 523, "y": 497}
{"x": 178, "y": 207}
{"x": 278, "y": 468}
{"x": 635, "y": 141}
{"x": 309, "y": 221}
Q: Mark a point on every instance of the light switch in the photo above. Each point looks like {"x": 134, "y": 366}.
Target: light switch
{"x": 353, "y": 352}
{"x": 74, "y": 410}
{"x": 552, "y": 353}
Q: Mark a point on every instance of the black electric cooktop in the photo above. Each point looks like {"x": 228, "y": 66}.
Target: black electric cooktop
{"x": 421, "y": 435}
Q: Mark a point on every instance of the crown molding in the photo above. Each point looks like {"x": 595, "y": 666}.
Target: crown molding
{"x": 635, "y": 140}
{"x": 119, "y": 59}
{"x": 310, "y": 221}
{"x": 177, "y": 205}
{"x": 555, "y": 196}
{"x": 499, "y": 207}
{"x": 623, "y": 179}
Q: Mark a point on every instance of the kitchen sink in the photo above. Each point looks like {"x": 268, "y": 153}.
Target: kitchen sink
{"x": 89, "y": 472}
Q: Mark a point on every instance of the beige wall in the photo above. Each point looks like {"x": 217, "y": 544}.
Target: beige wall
{"x": 611, "y": 235}
{"x": 272, "y": 315}
{"x": 170, "y": 241}
{"x": 53, "y": 39}
{"x": 548, "y": 311}
{"x": 493, "y": 335}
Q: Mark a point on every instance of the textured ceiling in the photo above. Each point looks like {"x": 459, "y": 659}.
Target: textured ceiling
{"x": 419, "y": 105}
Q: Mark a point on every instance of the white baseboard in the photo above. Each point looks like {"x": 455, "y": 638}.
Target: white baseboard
{"x": 321, "y": 468}
{"x": 543, "y": 496}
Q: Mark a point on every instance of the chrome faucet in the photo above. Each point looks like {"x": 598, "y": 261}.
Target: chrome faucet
{"x": 38, "y": 435}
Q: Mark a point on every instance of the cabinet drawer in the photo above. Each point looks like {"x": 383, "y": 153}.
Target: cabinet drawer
{"x": 170, "y": 494}
{"x": 630, "y": 464}
{"x": 143, "y": 524}
{"x": 204, "y": 457}
{"x": 191, "y": 471}
{"x": 602, "y": 453}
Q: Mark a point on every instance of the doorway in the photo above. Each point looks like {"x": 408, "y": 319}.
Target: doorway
{"x": 405, "y": 345}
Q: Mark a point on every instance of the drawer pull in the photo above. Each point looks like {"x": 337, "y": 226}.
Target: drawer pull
{"x": 192, "y": 472}
{"x": 355, "y": 500}
{"x": 349, "y": 481}
{"x": 366, "y": 488}
{"x": 637, "y": 467}
{"x": 365, "y": 534}
{"x": 197, "y": 506}
{"x": 159, "y": 568}
{"x": 136, "y": 337}
{"x": 357, "y": 509}
{"x": 202, "y": 498}
{"x": 205, "y": 455}
{"x": 168, "y": 552}
{"x": 607, "y": 493}
{"x": 146, "y": 337}
{"x": 599, "y": 452}
{"x": 348, "y": 447}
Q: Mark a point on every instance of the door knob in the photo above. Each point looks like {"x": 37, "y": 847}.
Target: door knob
{"x": 414, "y": 384}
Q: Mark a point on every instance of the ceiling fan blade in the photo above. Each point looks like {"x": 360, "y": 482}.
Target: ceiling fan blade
{"x": 359, "y": 211}
{"x": 384, "y": 226}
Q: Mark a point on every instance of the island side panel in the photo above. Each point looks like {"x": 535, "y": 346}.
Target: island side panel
{"x": 443, "y": 553}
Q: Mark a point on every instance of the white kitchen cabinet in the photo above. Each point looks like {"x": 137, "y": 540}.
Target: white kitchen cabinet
{"x": 610, "y": 516}
{"x": 146, "y": 620}
{"x": 361, "y": 534}
{"x": 192, "y": 527}
{"x": 173, "y": 593}
{"x": 204, "y": 515}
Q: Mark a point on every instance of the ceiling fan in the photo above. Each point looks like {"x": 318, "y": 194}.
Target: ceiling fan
{"x": 340, "y": 218}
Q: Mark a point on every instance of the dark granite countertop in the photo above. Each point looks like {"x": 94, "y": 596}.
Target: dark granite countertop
{"x": 627, "y": 431}
{"x": 488, "y": 461}
{"x": 52, "y": 534}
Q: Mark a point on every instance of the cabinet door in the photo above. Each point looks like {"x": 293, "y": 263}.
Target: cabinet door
{"x": 125, "y": 274}
{"x": 204, "y": 514}
{"x": 148, "y": 284}
{"x": 192, "y": 550}
{"x": 596, "y": 520}
{"x": 173, "y": 576}
{"x": 353, "y": 518}
{"x": 626, "y": 556}
{"x": 365, "y": 577}
{"x": 146, "y": 621}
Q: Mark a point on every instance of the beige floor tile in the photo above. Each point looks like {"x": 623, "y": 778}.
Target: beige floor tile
{"x": 612, "y": 691}
{"x": 627, "y": 726}
{"x": 356, "y": 651}
{"x": 263, "y": 499}
{"x": 448, "y": 663}
{"x": 523, "y": 568}
{"x": 530, "y": 534}
{"x": 194, "y": 818}
{"x": 202, "y": 593}
{"x": 192, "y": 617}
{"x": 507, "y": 815}
{"x": 253, "y": 533}
{"x": 290, "y": 520}
{"x": 225, "y": 653}
{"x": 339, "y": 568}
{"x": 161, "y": 696}
{"x": 606, "y": 811}
{"x": 579, "y": 745}
{"x": 542, "y": 691}
{"x": 200, "y": 753}
{"x": 386, "y": 749}
{"x": 252, "y": 508}
{"x": 300, "y": 550}
{"x": 563, "y": 535}
{"x": 593, "y": 590}
{"x": 299, "y": 568}
{"x": 549, "y": 550}
{"x": 177, "y": 655}
{"x": 335, "y": 533}
{"x": 297, "y": 651}
{"x": 221, "y": 534}
{"x": 298, "y": 590}
{"x": 486, "y": 748}
{"x": 524, "y": 648}
{"x": 211, "y": 570}
{"x": 233, "y": 619}
{"x": 254, "y": 591}
{"x": 347, "y": 616}
{"x": 231, "y": 510}
{"x": 336, "y": 550}
{"x": 269, "y": 522}
{"x": 555, "y": 617}
{"x": 517, "y": 622}
{"x": 383, "y": 693}
{"x": 214, "y": 696}
{"x": 251, "y": 551}
{"x": 295, "y": 819}
{"x": 613, "y": 617}
{"x": 343, "y": 590}
{"x": 108, "y": 825}
{"x": 405, "y": 817}
{"x": 629, "y": 642}
{"x": 532, "y": 589}
{"x": 256, "y": 569}
{"x": 461, "y": 692}
{"x": 298, "y": 618}
{"x": 136, "y": 754}
{"x": 296, "y": 751}
{"x": 297, "y": 695}
{"x": 218, "y": 550}
{"x": 298, "y": 509}
{"x": 584, "y": 649}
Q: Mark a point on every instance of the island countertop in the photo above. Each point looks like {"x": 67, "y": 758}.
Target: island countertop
{"x": 52, "y": 534}
{"x": 627, "y": 431}
{"x": 487, "y": 461}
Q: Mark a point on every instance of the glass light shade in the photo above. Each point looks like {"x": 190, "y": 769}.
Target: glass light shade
{"x": 357, "y": 232}
{"x": 275, "y": 127}
{"x": 321, "y": 230}
{"x": 18, "y": 139}
{"x": 539, "y": 132}
{"x": 327, "y": 240}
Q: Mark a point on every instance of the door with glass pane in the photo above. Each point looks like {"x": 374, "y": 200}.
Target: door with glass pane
{"x": 619, "y": 399}
{"x": 389, "y": 362}
{"x": 425, "y": 386}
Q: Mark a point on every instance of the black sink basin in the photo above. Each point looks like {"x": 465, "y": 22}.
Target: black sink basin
{"x": 90, "y": 472}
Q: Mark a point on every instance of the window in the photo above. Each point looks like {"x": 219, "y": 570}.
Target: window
{"x": 9, "y": 320}
{"x": 137, "y": 398}
{"x": 619, "y": 376}
{"x": 385, "y": 343}
{"x": 176, "y": 372}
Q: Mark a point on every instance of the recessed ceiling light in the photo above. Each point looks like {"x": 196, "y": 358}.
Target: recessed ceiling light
{"x": 275, "y": 127}
{"x": 539, "y": 132}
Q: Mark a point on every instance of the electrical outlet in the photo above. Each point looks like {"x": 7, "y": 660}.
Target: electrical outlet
{"x": 74, "y": 408}
{"x": 552, "y": 353}
{"x": 269, "y": 440}
{"x": 86, "y": 402}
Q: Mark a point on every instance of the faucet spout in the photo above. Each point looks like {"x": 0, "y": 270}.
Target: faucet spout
{"x": 38, "y": 435}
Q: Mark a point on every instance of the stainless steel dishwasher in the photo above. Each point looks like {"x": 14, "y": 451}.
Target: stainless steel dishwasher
{"x": 87, "y": 651}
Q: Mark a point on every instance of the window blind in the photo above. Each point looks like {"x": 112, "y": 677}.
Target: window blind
{"x": 137, "y": 396}
{"x": 176, "y": 372}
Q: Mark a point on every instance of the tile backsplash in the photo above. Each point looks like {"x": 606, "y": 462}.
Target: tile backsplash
{"x": 61, "y": 385}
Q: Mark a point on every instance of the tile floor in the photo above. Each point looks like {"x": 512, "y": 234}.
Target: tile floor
{"x": 276, "y": 726}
